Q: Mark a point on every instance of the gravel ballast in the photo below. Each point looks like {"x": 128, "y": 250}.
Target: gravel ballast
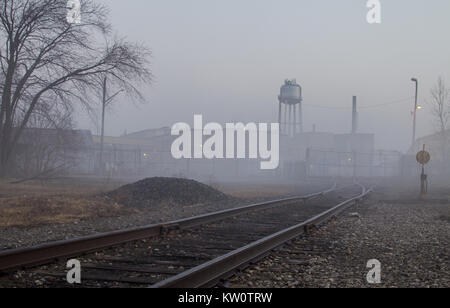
{"x": 410, "y": 240}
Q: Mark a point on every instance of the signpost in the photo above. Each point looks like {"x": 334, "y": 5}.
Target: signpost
{"x": 423, "y": 158}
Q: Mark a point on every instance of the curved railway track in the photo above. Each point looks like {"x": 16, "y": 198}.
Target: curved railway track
{"x": 193, "y": 252}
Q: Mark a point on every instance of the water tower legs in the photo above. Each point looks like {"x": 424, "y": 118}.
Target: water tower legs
{"x": 300, "y": 119}
{"x": 290, "y": 123}
{"x": 285, "y": 118}
{"x": 295, "y": 120}
{"x": 290, "y": 119}
{"x": 279, "y": 117}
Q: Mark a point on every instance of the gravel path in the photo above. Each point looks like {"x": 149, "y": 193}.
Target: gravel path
{"x": 410, "y": 240}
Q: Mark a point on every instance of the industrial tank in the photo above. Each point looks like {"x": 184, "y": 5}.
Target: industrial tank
{"x": 291, "y": 118}
{"x": 291, "y": 92}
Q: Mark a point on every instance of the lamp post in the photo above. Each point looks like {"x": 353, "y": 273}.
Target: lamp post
{"x": 416, "y": 81}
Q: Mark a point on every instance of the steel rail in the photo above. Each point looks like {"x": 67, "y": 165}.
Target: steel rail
{"x": 206, "y": 273}
{"x": 49, "y": 252}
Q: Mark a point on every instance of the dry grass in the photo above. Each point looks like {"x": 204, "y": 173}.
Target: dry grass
{"x": 31, "y": 211}
{"x": 74, "y": 199}
{"x": 64, "y": 201}
{"x": 85, "y": 186}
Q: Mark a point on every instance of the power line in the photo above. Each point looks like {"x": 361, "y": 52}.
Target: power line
{"x": 389, "y": 104}
{"x": 396, "y": 102}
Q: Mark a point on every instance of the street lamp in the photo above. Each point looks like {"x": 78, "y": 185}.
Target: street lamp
{"x": 415, "y": 111}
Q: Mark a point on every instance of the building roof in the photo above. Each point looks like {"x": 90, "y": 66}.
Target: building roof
{"x": 121, "y": 141}
{"x": 56, "y": 136}
{"x": 149, "y": 133}
{"x": 429, "y": 141}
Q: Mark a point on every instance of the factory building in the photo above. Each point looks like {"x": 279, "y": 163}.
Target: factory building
{"x": 302, "y": 154}
{"x": 148, "y": 153}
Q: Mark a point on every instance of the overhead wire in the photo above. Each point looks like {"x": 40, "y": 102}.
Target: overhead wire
{"x": 396, "y": 102}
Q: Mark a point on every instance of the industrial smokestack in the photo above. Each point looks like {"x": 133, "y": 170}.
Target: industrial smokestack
{"x": 355, "y": 116}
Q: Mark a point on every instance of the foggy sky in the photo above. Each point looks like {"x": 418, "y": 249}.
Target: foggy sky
{"x": 226, "y": 59}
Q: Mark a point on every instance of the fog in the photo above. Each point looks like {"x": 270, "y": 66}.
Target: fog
{"x": 227, "y": 60}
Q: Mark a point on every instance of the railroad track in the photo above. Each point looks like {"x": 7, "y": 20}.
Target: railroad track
{"x": 193, "y": 252}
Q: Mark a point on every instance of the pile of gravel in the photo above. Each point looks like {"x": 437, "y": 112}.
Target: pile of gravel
{"x": 156, "y": 191}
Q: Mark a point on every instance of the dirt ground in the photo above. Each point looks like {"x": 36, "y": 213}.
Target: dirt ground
{"x": 409, "y": 237}
{"x": 38, "y": 212}
{"x": 59, "y": 201}
{"x": 69, "y": 200}
{"x": 75, "y": 199}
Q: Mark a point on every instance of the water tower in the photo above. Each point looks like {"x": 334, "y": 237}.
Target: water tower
{"x": 290, "y": 119}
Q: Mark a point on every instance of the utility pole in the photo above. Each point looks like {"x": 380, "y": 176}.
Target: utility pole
{"x": 355, "y": 116}
{"x": 354, "y": 131}
{"x": 103, "y": 126}
{"x": 105, "y": 102}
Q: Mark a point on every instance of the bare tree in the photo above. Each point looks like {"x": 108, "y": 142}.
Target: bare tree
{"x": 47, "y": 60}
{"x": 440, "y": 103}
